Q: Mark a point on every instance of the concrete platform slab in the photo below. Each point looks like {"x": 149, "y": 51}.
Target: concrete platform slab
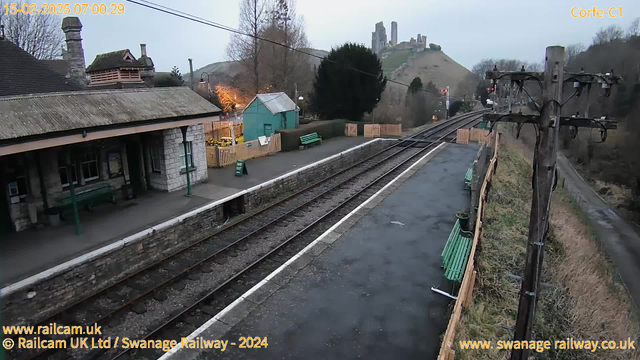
{"x": 367, "y": 295}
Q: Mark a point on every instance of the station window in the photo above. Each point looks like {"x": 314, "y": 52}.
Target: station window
{"x": 89, "y": 164}
{"x": 17, "y": 180}
{"x": 62, "y": 170}
{"x": 156, "y": 158}
{"x": 189, "y": 155}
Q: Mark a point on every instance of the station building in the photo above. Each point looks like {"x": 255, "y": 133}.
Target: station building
{"x": 58, "y": 132}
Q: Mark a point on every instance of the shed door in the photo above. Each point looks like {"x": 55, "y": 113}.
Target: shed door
{"x": 268, "y": 130}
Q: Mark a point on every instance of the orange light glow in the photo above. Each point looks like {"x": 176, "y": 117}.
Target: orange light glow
{"x": 230, "y": 97}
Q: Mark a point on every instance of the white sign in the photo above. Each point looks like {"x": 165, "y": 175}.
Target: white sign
{"x": 263, "y": 140}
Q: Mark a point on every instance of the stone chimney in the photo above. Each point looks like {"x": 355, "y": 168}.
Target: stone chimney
{"x": 71, "y": 26}
{"x": 149, "y": 70}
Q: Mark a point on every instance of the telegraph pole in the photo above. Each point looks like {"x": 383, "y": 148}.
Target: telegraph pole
{"x": 543, "y": 181}
{"x": 549, "y": 122}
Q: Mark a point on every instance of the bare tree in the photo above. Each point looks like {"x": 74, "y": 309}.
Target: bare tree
{"x": 284, "y": 65}
{"x": 39, "y": 35}
{"x": 571, "y": 53}
{"x": 634, "y": 27}
{"x": 466, "y": 88}
{"x": 609, "y": 34}
{"x": 247, "y": 49}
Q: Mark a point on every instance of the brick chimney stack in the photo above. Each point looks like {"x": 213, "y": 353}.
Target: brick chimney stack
{"x": 71, "y": 26}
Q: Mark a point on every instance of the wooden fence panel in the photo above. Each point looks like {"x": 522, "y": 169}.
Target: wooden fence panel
{"x": 371, "y": 130}
{"x": 479, "y": 135}
{"x": 245, "y": 151}
{"x": 390, "y": 129}
{"x": 220, "y": 129}
{"x": 462, "y": 136}
{"x": 351, "y": 130}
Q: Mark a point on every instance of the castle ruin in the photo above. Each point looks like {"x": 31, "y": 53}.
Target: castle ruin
{"x": 379, "y": 40}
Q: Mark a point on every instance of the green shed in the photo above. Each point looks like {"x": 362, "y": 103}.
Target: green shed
{"x": 268, "y": 113}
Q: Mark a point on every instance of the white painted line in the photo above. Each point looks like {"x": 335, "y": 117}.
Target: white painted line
{"x": 244, "y": 296}
{"x": 9, "y": 289}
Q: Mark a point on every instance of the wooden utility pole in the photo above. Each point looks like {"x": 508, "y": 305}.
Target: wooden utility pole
{"x": 543, "y": 181}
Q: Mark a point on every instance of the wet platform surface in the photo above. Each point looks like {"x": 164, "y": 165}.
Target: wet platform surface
{"x": 368, "y": 295}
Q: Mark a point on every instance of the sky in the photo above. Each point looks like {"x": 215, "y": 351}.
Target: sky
{"x": 467, "y": 30}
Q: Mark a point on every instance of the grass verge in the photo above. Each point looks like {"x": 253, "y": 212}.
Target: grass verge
{"x": 579, "y": 298}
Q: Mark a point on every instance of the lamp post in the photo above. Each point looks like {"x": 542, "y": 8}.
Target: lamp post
{"x": 301, "y": 99}
{"x": 208, "y": 83}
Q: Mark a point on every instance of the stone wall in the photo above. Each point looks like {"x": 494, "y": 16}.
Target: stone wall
{"x": 172, "y": 141}
{"x": 55, "y": 289}
{"x": 302, "y": 179}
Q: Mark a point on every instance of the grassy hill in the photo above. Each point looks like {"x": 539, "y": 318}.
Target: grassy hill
{"x": 429, "y": 65}
{"x": 225, "y": 70}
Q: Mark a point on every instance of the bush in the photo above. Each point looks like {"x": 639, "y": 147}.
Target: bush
{"x": 290, "y": 138}
{"x": 433, "y": 46}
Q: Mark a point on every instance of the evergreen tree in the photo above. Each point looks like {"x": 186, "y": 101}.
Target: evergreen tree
{"x": 344, "y": 86}
{"x": 176, "y": 76}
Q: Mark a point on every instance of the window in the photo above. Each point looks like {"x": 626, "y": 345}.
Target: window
{"x": 156, "y": 158}
{"x": 89, "y": 164}
{"x": 18, "y": 184}
{"x": 62, "y": 169}
{"x": 189, "y": 155}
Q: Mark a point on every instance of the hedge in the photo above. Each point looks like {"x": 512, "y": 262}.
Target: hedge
{"x": 327, "y": 129}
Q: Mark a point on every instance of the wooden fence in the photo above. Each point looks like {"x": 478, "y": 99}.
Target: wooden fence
{"x": 220, "y": 129}
{"x": 479, "y": 135}
{"x": 351, "y": 129}
{"x": 462, "y": 136}
{"x": 222, "y": 156}
{"x": 378, "y": 130}
{"x": 466, "y": 288}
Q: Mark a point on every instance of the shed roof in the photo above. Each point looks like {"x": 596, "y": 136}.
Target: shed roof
{"x": 31, "y": 115}
{"x": 276, "y": 102}
{"x": 113, "y": 60}
{"x": 21, "y": 73}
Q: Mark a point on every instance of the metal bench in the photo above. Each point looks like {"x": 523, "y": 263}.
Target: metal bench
{"x": 468, "y": 177}
{"x": 456, "y": 253}
{"x": 310, "y": 139}
{"x": 88, "y": 197}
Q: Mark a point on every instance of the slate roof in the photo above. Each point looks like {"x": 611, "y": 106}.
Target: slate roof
{"x": 33, "y": 115}
{"x": 21, "y": 73}
{"x": 113, "y": 60}
{"x": 58, "y": 65}
{"x": 275, "y": 102}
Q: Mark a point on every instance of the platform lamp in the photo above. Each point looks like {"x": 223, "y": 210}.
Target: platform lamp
{"x": 207, "y": 82}
{"x": 301, "y": 99}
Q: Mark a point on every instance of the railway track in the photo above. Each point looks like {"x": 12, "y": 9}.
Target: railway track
{"x": 171, "y": 298}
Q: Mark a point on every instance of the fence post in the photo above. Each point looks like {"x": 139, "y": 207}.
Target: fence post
{"x": 217, "y": 155}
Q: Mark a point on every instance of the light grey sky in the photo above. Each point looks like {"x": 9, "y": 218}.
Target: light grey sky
{"x": 467, "y": 30}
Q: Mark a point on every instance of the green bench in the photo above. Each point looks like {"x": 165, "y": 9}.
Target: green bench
{"x": 88, "y": 197}
{"x": 310, "y": 139}
{"x": 456, "y": 253}
{"x": 468, "y": 177}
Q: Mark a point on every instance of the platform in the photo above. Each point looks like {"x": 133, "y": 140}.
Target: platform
{"x": 29, "y": 252}
{"x": 367, "y": 292}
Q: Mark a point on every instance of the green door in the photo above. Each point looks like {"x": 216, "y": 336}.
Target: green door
{"x": 268, "y": 130}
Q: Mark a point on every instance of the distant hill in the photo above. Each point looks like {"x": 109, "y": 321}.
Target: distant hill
{"x": 224, "y": 71}
{"x": 429, "y": 65}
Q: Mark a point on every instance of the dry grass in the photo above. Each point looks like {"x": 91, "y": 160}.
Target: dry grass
{"x": 580, "y": 299}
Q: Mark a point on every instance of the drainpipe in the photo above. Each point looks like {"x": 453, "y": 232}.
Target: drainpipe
{"x": 186, "y": 157}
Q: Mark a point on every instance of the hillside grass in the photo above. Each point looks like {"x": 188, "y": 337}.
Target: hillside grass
{"x": 579, "y": 298}
{"x": 394, "y": 60}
